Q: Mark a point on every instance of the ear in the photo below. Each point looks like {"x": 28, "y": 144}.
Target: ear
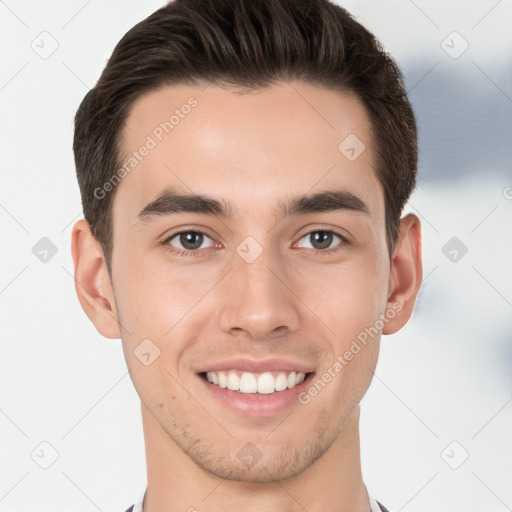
{"x": 92, "y": 282}
{"x": 406, "y": 274}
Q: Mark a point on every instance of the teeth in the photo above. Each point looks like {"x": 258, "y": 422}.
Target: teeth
{"x": 281, "y": 382}
{"x": 248, "y": 383}
{"x": 264, "y": 383}
{"x": 223, "y": 380}
{"x": 233, "y": 381}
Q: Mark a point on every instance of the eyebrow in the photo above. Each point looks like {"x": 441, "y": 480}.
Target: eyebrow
{"x": 171, "y": 201}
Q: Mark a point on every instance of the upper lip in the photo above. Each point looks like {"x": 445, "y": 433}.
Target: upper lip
{"x": 258, "y": 365}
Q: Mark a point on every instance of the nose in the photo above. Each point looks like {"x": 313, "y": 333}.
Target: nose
{"x": 258, "y": 299}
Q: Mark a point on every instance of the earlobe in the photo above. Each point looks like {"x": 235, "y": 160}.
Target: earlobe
{"x": 92, "y": 282}
{"x": 406, "y": 274}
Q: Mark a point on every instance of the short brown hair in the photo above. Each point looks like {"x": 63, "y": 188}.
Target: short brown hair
{"x": 250, "y": 44}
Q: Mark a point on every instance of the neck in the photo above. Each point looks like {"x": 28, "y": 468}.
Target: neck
{"x": 333, "y": 482}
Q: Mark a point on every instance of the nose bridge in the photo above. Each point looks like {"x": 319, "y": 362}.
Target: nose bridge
{"x": 258, "y": 299}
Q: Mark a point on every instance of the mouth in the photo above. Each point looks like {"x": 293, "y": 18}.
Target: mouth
{"x": 256, "y": 388}
{"x": 262, "y": 383}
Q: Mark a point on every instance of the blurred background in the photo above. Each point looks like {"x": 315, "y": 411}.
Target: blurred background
{"x": 436, "y": 423}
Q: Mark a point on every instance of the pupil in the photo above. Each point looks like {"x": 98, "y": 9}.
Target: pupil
{"x": 321, "y": 239}
{"x": 191, "y": 240}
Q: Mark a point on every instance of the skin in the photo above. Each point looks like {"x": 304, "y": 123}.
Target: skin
{"x": 254, "y": 150}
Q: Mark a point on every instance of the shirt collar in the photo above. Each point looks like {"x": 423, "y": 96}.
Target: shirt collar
{"x": 374, "y": 506}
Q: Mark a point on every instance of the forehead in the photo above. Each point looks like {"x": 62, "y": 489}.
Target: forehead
{"x": 249, "y": 149}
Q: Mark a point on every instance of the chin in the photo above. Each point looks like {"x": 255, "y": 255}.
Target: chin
{"x": 251, "y": 464}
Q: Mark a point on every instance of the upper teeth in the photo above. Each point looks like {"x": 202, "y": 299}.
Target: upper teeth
{"x": 247, "y": 382}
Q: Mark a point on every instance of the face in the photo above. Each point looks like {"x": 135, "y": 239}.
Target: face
{"x": 264, "y": 283}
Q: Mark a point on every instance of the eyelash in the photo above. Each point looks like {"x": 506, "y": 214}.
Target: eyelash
{"x": 195, "y": 252}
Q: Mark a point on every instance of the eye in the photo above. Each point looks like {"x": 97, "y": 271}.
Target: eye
{"x": 188, "y": 242}
{"x": 322, "y": 239}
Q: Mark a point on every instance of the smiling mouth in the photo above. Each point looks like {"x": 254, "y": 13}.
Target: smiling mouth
{"x": 263, "y": 383}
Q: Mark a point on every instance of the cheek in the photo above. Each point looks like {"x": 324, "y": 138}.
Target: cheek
{"x": 154, "y": 297}
{"x": 162, "y": 309}
{"x": 348, "y": 297}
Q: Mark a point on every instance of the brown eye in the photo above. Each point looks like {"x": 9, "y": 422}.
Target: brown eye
{"x": 188, "y": 241}
{"x": 322, "y": 240}
{"x": 191, "y": 240}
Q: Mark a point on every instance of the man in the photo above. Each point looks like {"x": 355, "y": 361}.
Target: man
{"x": 243, "y": 166}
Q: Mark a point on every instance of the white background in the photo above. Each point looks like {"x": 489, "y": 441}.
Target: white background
{"x": 445, "y": 377}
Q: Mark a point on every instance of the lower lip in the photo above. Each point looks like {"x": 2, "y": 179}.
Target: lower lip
{"x": 255, "y": 404}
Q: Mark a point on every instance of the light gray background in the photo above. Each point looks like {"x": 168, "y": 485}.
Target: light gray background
{"x": 445, "y": 378}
